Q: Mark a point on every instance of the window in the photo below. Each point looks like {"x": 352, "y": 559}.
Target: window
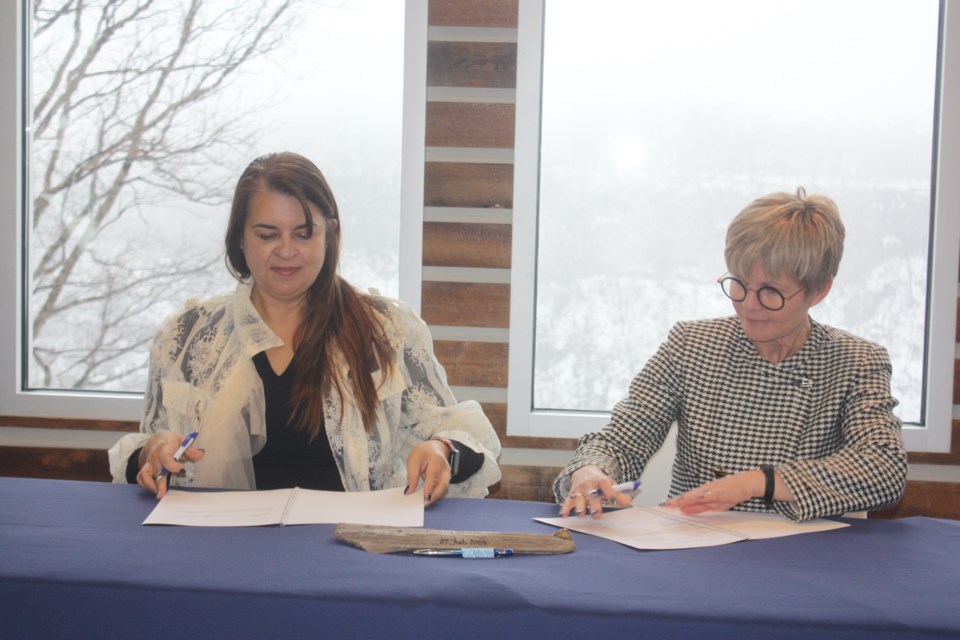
{"x": 130, "y": 152}
{"x": 645, "y": 127}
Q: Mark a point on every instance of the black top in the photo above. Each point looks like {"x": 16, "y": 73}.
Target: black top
{"x": 290, "y": 458}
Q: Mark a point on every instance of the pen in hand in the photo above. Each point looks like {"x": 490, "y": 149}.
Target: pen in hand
{"x": 178, "y": 454}
{"x": 623, "y": 487}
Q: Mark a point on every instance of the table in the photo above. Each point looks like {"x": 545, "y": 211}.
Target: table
{"x": 75, "y": 562}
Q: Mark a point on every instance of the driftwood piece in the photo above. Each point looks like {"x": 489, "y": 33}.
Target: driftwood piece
{"x": 378, "y": 539}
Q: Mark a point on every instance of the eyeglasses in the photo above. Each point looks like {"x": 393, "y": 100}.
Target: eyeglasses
{"x": 769, "y": 297}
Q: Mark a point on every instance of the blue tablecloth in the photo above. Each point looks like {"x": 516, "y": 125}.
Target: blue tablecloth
{"x": 76, "y": 562}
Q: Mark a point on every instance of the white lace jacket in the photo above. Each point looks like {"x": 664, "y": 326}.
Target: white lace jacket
{"x": 201, "y": 361}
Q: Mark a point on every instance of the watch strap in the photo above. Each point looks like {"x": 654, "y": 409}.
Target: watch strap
{"x": 453, "y": 459}
{"x": 770, "y": 483}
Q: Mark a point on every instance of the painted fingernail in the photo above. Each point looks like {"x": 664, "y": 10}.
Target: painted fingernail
{"x": 429, "y": 497}
{"x": 182, "y": 473}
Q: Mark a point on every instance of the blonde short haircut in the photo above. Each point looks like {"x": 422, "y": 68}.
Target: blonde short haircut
{"x": 795, "y": 236}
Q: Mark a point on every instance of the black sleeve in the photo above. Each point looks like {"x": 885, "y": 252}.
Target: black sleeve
{"x": 470, "y": 463}
{"x": 133, "y": 466}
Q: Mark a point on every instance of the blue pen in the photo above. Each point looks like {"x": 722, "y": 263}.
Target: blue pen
{"x": 623, "y": 487}
{"x": 178, "y": 454}
{"x": 183, "y": 448}
{"x": 466, "y": 552}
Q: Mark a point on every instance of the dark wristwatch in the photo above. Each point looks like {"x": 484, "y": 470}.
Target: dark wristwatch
{"x": 769, "y": 484}
{"x": 454, "y": 458}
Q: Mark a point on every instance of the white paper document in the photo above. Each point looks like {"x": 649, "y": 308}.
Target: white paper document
{"x": 666, "y": 528}
{"x": 388, "y": 507}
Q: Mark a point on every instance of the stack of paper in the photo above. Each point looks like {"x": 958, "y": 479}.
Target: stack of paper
{"x": 389, "y": 507}
{"x": 666, "y": 528}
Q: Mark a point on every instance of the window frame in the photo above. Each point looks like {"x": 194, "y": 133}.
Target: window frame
{"x": 14, "y": 399}
{"x": 524, "y": 420}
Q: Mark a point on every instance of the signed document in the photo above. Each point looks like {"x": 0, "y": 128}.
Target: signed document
{"x": 666, "y": 528}
{"x": 388, "y": 507}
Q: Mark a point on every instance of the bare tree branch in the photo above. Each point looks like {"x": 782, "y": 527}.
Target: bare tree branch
{"x": 128, "y": 113}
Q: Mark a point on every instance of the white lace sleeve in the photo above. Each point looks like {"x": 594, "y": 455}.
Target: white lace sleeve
{"x": 430, "y": 408}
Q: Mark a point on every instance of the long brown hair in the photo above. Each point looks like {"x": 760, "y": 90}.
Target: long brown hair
{"x": 338, "y": 319}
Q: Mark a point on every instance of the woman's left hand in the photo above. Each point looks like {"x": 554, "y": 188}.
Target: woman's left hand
{"x": 428, "y": 460}
{"x": 721, "y": 494}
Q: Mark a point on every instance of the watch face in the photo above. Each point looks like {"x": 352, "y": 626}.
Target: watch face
{"x": 454, "y": 461}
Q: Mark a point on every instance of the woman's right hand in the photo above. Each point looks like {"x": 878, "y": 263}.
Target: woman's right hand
{"x": 156, "y": 455}
{"x": 580, "y": 501}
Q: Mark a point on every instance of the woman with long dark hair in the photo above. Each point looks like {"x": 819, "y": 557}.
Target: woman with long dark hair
{"x": 297, "y": 378}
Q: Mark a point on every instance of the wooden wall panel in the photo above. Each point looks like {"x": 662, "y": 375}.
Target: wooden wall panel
{"x": 469, "y": 124}
{"x": 491, "y": 65}
{"x": 72, "y": 423}
{"x": 59, "y": 464}
{"x": 452, "y": 184}
{"x": 526, "y": 483}
{"x": 467, "y": 245}
{"x": 921, "y": 498}
{"x": 473, "y": 13}
{"x": 449, "y": 184}
{"x": 956, "y": 380}
{"x": 473, "y": 364}
{"x": 466, "y": 304}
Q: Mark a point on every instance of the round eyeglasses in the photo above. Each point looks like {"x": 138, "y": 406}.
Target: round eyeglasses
{"x": 769, "y": 297}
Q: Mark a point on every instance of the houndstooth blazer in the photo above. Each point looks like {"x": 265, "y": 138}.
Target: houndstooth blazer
{"x": 823, "y": 418}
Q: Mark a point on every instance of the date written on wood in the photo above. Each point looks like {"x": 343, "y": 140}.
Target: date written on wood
{"x": 457, "y": 542}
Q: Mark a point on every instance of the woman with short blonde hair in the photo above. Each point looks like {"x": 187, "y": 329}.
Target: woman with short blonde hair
{"x": 797, "y": 236}
{"x": 774, "y": 411}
